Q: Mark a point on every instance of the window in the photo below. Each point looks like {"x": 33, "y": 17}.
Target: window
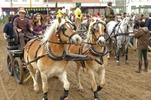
{"x": 24, "y": 0}
{"x": 15, "y": 0}
{"x": 36, "y": 0}
{"x": 6, "y": 0}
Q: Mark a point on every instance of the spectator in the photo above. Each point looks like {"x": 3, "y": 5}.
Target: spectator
{"x": 142, "y": 45}
{"x": 17, "y": 15}
{"x": 148, "y": 24}
{"x": 8, "y": 29}
{"x": 39, "y": 28}
{"x": 124, "y": 15}
{"x": 64, "y": 12}
{"x": 78, "y": 16}
{"x": 38, "y": 17}
{"x": 22, "y": 25}
{"x": 109, "y": 13}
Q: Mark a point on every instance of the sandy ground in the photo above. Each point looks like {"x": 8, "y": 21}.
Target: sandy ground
{"x": 122, "y": 83}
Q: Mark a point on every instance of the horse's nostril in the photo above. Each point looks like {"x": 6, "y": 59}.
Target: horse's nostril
{"x": 77, "y": 39}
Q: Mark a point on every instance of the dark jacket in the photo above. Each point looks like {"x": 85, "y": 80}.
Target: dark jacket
{"x": 16, "y": 16}
{"x": 109, "y": 14}
{"x": 143, "y": 38}
{"x": 148, "y": 23}
{"x": 8, "y": 29}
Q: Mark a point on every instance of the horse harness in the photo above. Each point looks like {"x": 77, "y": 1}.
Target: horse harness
{"x": 91, "y": 48}
{"x": 64, "y": 56}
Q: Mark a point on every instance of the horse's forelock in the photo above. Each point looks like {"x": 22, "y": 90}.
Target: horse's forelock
{"x": 52, "y": 29}
{"x": 93, "y": 20}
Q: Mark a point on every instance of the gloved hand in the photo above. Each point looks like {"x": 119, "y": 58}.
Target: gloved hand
{"x": 131, "y": 35}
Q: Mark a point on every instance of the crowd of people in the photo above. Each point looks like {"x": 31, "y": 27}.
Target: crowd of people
{"x": 37, "y": 27}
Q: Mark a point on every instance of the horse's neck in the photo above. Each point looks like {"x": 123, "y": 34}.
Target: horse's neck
{"x": 57, "y": 49}
{"x": 96, "y": 47}
{"x": 122, "y": 27}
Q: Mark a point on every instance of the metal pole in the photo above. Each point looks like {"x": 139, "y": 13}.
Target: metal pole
{"x": 30, "y": 3}
{"x": 47, "y": 7}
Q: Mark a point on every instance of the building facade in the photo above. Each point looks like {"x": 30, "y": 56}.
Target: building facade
{"x": 138, "y": 6}
{"x": 45, "y": 6}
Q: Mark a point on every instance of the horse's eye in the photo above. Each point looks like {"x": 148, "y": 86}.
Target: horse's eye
{"x": 93, "y": 30}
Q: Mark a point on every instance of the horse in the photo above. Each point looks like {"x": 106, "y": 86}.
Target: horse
{"x": 46, "y": 56}
{"x": 95, "y": 48}
{"x": 119, "y": 33}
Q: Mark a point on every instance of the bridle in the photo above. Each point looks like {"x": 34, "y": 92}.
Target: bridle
{"x": 63, "y": 29}
{"x": 94, "y": 30}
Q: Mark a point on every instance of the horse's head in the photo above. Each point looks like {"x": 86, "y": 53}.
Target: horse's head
{"x": 130, "y": 24}
{"x": 96, "y": 31}
{"x": 64, "y": 31}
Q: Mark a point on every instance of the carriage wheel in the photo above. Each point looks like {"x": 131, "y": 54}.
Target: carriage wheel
{"x": 18, "y": 70}
{"x": 10, "y": 61}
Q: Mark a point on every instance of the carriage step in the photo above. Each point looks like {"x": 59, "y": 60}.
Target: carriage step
{"x": 16, "y": 51}
{"x": 12, "y": 47}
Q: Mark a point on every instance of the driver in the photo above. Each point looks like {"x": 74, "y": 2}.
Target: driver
{"x": 22, "y": 25}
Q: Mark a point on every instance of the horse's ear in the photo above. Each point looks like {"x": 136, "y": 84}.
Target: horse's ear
{"x": 103, "y": 18}
{"x": 92, "y": 19}
{"x": 59, "y": 19}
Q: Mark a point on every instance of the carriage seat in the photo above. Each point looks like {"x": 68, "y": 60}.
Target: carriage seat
{"x": 13, "y": 44}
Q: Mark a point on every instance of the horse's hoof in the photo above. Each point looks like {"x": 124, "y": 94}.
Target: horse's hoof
{"x": 61, "y": 98}
{"x": 36, "y": 91}
{"x": 96, "y": 99}
{"x": 127, "y": 62}
{"x": 80, "y": 89}
{"x": 66, "y": 98}
{"x": 44, "y": 99}
{"x": 118, "y": 63}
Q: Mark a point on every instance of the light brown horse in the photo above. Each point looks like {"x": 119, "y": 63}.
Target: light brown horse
{"x": 47, "y": 55}
{"x": 96, "y": 50}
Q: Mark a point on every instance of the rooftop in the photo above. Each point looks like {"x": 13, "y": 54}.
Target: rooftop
{"x": 75, "y": 1}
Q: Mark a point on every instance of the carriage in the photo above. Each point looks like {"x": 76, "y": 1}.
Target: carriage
{"x": 15, "y": 63}
{"x": 52, "y": 48}
{"x": 15, "y": 58}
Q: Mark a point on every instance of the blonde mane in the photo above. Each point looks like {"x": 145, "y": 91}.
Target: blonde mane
{"x": 52, "y": 29}
{"x": 93, "y": 20}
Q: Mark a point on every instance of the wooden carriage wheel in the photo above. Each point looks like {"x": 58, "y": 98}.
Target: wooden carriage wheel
{"x": 18, "y": 70}
{"x": 10, "y": 65}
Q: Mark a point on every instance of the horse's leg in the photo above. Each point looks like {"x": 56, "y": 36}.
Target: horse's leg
{"x": 115, "y": 48}
{"x": 109, "y": 47}
{"x": 101, "y": 74}
{"x": 93, "y": 83}
{"x": 32, "y": 73}
{"x": 118, "y": 55}
{"x": 66, "y": 85}
{"x": 44, "y": 79}
{"x": 77, "y": 72}
{"x": 126, "y": 56}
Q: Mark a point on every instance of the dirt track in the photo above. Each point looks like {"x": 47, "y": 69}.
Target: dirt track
{"x": 122, "y": 83}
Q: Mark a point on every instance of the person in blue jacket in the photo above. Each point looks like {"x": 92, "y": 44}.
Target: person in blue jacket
{"x": 148, "y": 24}
{"x": 8, "y": 29}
